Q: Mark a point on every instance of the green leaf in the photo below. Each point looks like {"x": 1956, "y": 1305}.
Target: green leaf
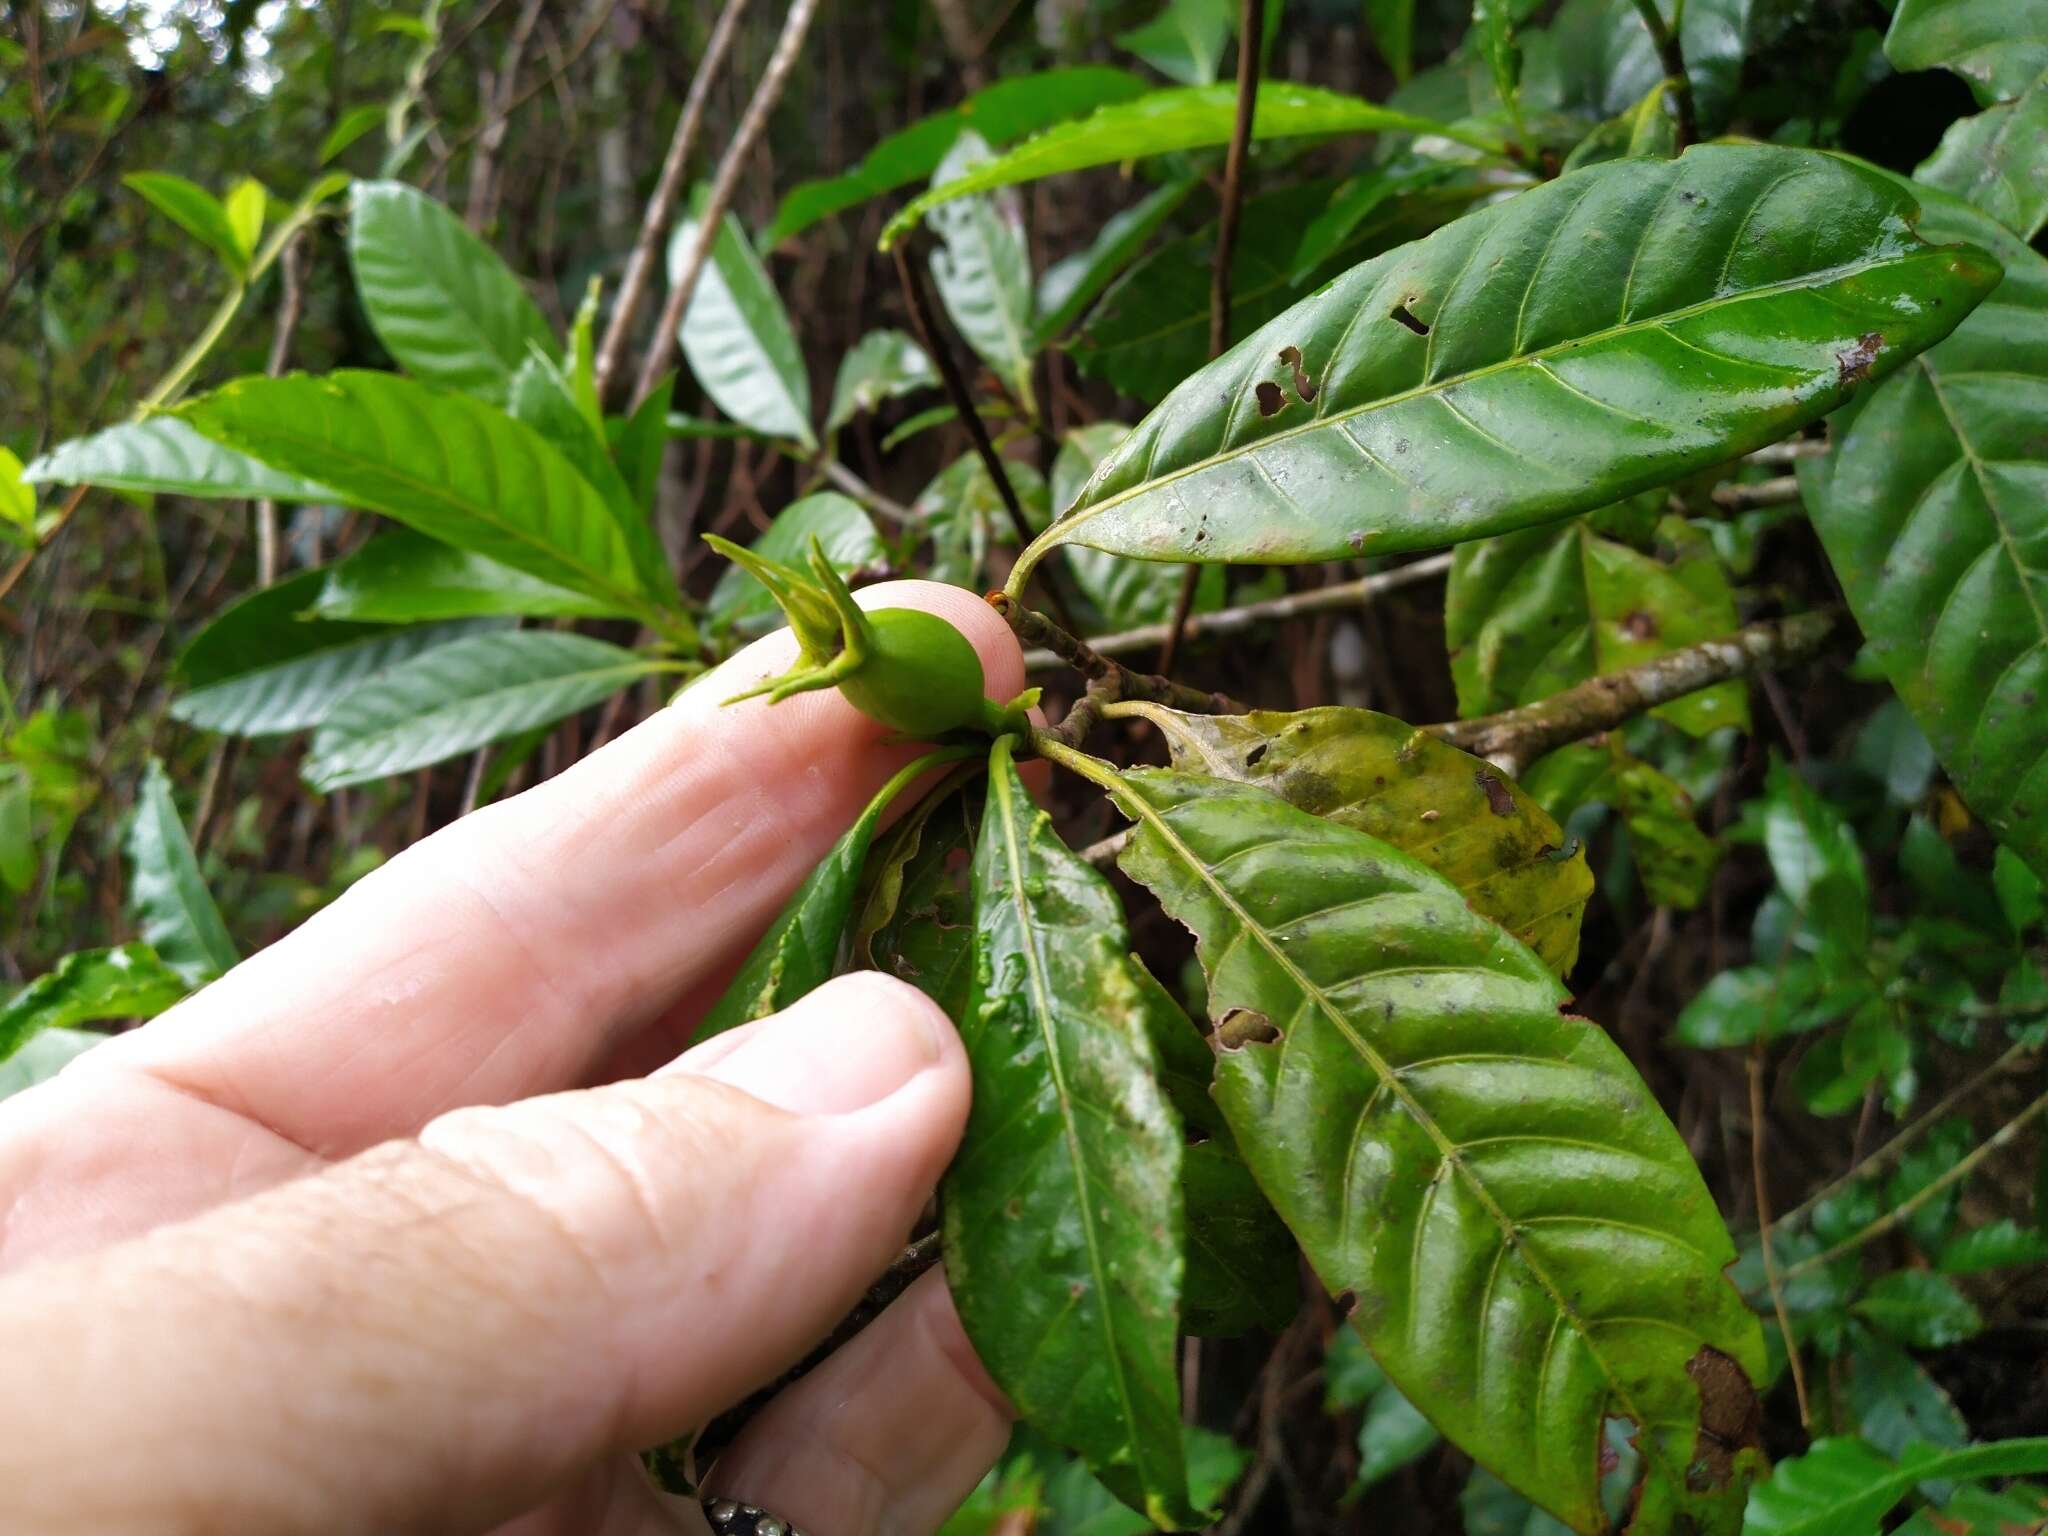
{"x": 164, "y": 454}
{"x": 1392, "y": 25}
{"x": 1240, "y": 1267}
{"x": 17, "y": 830}
{"x": 982, "y": 269}
{"x": 1607, "y": 63}
{"x": 447, "y": 465}
{"x": 963, "y": 512}
{"x": 1997, "y": 161}
{"x": 246, "y": 204}
{"x": 1161, "y": 122}
{"x": 463, "y": 695}
{"x": 403, "y": 577}
{"x": 737, "y": 335}
{"x": 1843, "y": 1487}
{"x": 167, "y": 893}
{"x": 1001, "y": 113}
{"x": 438, "y": 298}
{"x": 1355, "y": 199}
{"x": 1062, "y": 1210}
{"x": 47, "y": 1053}
{"x": 1981, "y": 1512}
{"x": 883, "y": 365}
{"x": 1379, "y": 775}
{"x": 918, "y": 920}
{"x": 129, "y": 982}
{"x": 1919, "y": 1309}
{"x": 1531, "y": 613}
{"x": 798, "y": 951}
{"x": 1485, "y": 1173}
{"x": 2002, "y": 1244}
{"x": 1771, "y": 1000}
{"x": 640, "y": 441}
{"x": 1185, "y": 41}
{"x": 1546, "y": 385}
{"x": 352, "y": 125}
{"x": 1815, "y": 857}
{"x": 1070, "y": 285}
{"x": 1893, "y": 1402}
{"x": 1999, "y": 46}
{"x": 261, "y": 669}
{"x": 1123, "y": 593}
{"x": 1493, "y": 24}
{"x": 17, "y": 496}
{"x": 838, "y": 523}
{"x": 196, "y": 211}
{"x": 1674, "y": 857}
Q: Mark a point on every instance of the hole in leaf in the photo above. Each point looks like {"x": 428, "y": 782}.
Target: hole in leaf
{"x": 1304, "y": 386}
{"x": 1252, "y": 758}
{"x": 1270, "y": 398}
{"x": 1406, "y": 316}
{"x": 1240, "y": 1027}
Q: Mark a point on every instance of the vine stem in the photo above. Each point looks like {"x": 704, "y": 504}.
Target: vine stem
{"x": 1671, "y": 53}
{"x": 1894, "y": 1217}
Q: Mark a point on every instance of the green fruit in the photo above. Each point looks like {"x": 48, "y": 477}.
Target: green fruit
{"x": 920, "y": 677}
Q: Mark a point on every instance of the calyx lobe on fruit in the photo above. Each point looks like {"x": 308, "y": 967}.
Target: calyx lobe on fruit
{"x": 909, "y": 669}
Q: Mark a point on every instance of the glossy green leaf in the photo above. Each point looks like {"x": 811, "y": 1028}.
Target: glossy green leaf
{"x": 1392, "y": 25}
{"x": 402, "y": 577}
{"x": 963, "y": 513}
{"x": 1062, "y": 1209}
{"x": 1607, "y": 64}
{"x": 1744, "y": 1001}
{"x": 1843, "y": 1487}
{"x": 840, "y": 525}
{"x": 1123, "y": 593}
{"x": 1493, "y": 25}
{"x": 463, "y": 695}
{"x": 1531, "y": 1245}
{"x": 1919, "y": 1309}
{"x": 1185, "y": 41}
{"x": 439, "y": 299}
{"x": 1930, "y": 506}
{"x": 166, "y": 892}
{"x": 883, "y": 365}
{"x": 1354, "y": 200}
{"x": 798, "y": 951}
{"x": 129, "y": 982}
{"x": 1161, "y": 122}
{"x": 1999, "y": 46}
{"x": 1548, "y": 383}
{"x": 1001, "y": 113}
{"x": 917, "y": 921}
{"x": 1070, "y": 285}
{"x": 1444, "y": 807}
{"x": 1531, "y": 613}
{"x": 1997, "y": 161}
{"x": 165, "y": 454}
{"x": 2002, "y": 1244}
{"x": 263, "y": 669}
{"x": 736, "y": 334}
{"x": 196, "y": 211}
{"x": 1675, "y": 859}
{"x": 46, "y": 1054}
{"x": 450, "y": 466}
{"x": 981, "y": 268}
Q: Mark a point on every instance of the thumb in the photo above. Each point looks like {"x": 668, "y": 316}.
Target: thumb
{"x": 440, "y": 1332}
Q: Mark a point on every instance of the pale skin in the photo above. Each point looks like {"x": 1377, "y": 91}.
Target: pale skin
{"x": 418, "y": 1221}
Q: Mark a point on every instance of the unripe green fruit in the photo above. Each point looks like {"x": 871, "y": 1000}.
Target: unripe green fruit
{"x": 920, "y": 677}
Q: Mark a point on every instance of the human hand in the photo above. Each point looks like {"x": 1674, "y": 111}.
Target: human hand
{"x": 416, "y": 1221}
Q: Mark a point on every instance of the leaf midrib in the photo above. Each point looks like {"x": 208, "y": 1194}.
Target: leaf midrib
{"x": 1041, "y": 1001}
{"x": 1662, "y": 321}
{"x": 1447, "y": 1149}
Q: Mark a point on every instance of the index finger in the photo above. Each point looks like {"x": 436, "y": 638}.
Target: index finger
{"x": 512, "y": 952}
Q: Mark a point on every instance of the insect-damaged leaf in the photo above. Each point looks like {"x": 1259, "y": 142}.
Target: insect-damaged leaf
{"x": 1435, "y": 803}
{"x": 1592, "y": 337}
{"x": 1531, "y": 1247}
{"x": 1062, "y": 1210}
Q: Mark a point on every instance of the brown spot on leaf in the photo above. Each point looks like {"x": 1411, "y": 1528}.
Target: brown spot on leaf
{"x": 1639, "y": 626}
{"x": 1498, "y": 800}
{"x": 1730, "y": 1418}
{"x": 1240, "y": 1027}
{"x": 1854, "y": 365}
{"x": 1406, "y": 316}
{"x": 1304, "y": 386}
{"x": 1270, "y": 398}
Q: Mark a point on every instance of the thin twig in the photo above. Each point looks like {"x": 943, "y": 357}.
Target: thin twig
{"x": 1898, "y": 1214}
{"x": 781, "y": 65}
{"x": 1231, "y": 621}
{"x": 1763, "y": 1216}
{"x": 1676, "y": 80}
{"x": 661, "y": 208}
{"x": 1904, "y": 1139}
{"x": 1517, "y": 737}
{"x": 1765, "y": 493}
{"x": 291, "y": 304}
{"x": 866, "y": 494}
{"x": 1119, "y": 681}
{"x": 483, "y": 165}
{"x": 1790, "y": 451}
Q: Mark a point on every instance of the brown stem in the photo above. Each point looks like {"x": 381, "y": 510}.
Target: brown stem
{"x": 1672, "y": 55}
{"x": 1517, "y": 737}
{"x": 1119, "y": 681}
{"x": 1776, "y": 492}
{"x": 668, "y": 191}
{"x": 781, "y": 64}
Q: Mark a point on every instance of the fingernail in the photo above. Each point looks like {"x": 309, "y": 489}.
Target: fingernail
{"x": 851, "y": 1043}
